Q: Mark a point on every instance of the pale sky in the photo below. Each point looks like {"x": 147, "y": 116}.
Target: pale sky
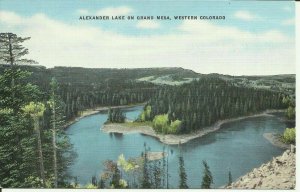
{"x": 256, "y": 38}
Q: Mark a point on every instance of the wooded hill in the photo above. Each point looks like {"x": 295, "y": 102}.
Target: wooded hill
{"x": 83, "y": 88}
{"x": 201, "y": 103}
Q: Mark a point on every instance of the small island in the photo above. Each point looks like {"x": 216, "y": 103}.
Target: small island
{"x": 146, "y": 128}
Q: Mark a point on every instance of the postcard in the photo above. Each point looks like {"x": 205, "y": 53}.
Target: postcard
{"x": 147, "y": 94}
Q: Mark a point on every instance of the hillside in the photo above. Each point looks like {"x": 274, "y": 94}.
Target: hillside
{"x": 279, "y": 173}
{"x": 84, "y": 88}
{"x": 283, "y": 83}
{"x": 79, "y": 75}
{"x": 159, "y": 76}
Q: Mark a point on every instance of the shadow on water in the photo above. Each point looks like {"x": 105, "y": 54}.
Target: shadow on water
{"x": 118, "y": 136}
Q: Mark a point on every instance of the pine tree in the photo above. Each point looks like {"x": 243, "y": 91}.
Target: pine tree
{"x": 17, "y": 141}
{"x": 94, "y": 181}
{"x": 21, "y": 130}
{"x": 36, "y": 111}
{"x": 55, "y": 120}
{"x": 115, "y": 116}
{"x": 229, "y": 178}
{"x": 146, "y": 179}
{"x": 182, "y": 174}
{"x": 116, "y": 177}
{"x": 11, "y": 53}
{"x": 157, "y": 175}
{"x": 101, "y": 183}
{"x": 207, "y": 178}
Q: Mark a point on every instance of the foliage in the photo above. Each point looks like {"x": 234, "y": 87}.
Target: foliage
{"x": 139, "y": 172}
{"x": 289, "y": 135}
{"x": 291, "y": 113}
{"x": 34, "y": 109}
{"x": 203, "y": 102}
{"x": 90, "y": 186}
{"x": 116, "y": 116}
{"x": 125, "y": 165}
{"x": 146, "y": 114}
{"x": 146, "y": 183}
{"x": 289, "y": 102}
{"x": 161, "y": 124}
{"x": 20, "y": 103}
{"x": 18, "y": 156}
{"x": 207, "y": 178}
{"x": 113, "y": 175}
{"x": 174, "y": 126}
{"x": 123, "y": 184}
{"x": 182, "y": 174}
{"x": 229, "y": 178}
{"x": 12, "y": 50}
{"x": 23, "y": 92}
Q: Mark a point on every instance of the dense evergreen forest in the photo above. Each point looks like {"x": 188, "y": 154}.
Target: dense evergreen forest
{"x": 116, "y": 116}
{"x": 83, "y": 88}
{"x": 88, "y": 88}
{"x": 36, "y": 103}
{"x": 203, "y": 102}
{"x": 34, "y": 150}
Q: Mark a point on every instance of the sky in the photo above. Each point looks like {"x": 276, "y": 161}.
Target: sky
{"x": 256, "y": 37}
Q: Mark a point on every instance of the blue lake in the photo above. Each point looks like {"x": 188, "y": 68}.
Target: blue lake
{"x": 238, "y": 146}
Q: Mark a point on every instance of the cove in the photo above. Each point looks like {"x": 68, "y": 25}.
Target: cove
{"x": 237, "y": 146}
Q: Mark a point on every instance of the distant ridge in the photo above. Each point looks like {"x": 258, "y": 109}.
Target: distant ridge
{"x": 158, "y": 76}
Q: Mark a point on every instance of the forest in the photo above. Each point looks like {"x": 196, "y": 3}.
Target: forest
{"x": 36, "y": 103}
{"x": 146, "y": 173}
{"x": 189, "y": 107}
{"x": 34, "y": 149}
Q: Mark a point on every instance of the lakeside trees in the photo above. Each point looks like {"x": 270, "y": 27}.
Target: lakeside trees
{"x": 289, "y": 102}
{"x": 144, "y": 172}
{"x": 82, "y": 89}
{"x": 207, "y": 178}
{"x": 289, "y": 136}
{"x": 182, "y": 174}
{"x": 31, "y": 119}
{"x": 36, "y": 111}
{"x": 25, "y": 145}
{"x": 201, "y": 103}
{"x": 115, "y": 116}
{"x": 229, "y": 178}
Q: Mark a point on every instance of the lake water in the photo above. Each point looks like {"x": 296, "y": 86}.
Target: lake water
{"x": 238, "y": 146}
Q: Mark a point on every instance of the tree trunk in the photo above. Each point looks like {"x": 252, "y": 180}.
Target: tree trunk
{"x": 41, "y": 160}
{"x": 54, "y": 146}
{"x": 11, "y": 59}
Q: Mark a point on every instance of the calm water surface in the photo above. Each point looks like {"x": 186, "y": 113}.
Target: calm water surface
{"x": 238, "y": 146}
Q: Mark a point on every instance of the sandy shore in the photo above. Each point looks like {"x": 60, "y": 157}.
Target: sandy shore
{"x": 155, "y": 155}
{"x": 96, "y": 110}
{"x": 275, "y": 140}
{"x": 171, "y": 139}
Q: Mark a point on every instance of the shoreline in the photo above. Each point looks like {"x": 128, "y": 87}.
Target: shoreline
{"x": 172, "y": 139}
{"x": 274, "y": 140}
{"x": 93, "y": 111}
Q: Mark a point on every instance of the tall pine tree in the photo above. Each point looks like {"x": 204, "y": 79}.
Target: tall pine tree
{"x": 207, "y": 178}
{"x": 182, "y": 174}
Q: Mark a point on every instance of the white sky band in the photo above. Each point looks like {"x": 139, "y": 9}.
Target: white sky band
{"x": 238, "y": 45}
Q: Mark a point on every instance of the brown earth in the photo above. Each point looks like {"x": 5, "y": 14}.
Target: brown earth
{"x": 279, "y": 173}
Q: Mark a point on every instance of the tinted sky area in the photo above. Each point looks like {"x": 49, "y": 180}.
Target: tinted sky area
{"x": 256, "y": 37}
